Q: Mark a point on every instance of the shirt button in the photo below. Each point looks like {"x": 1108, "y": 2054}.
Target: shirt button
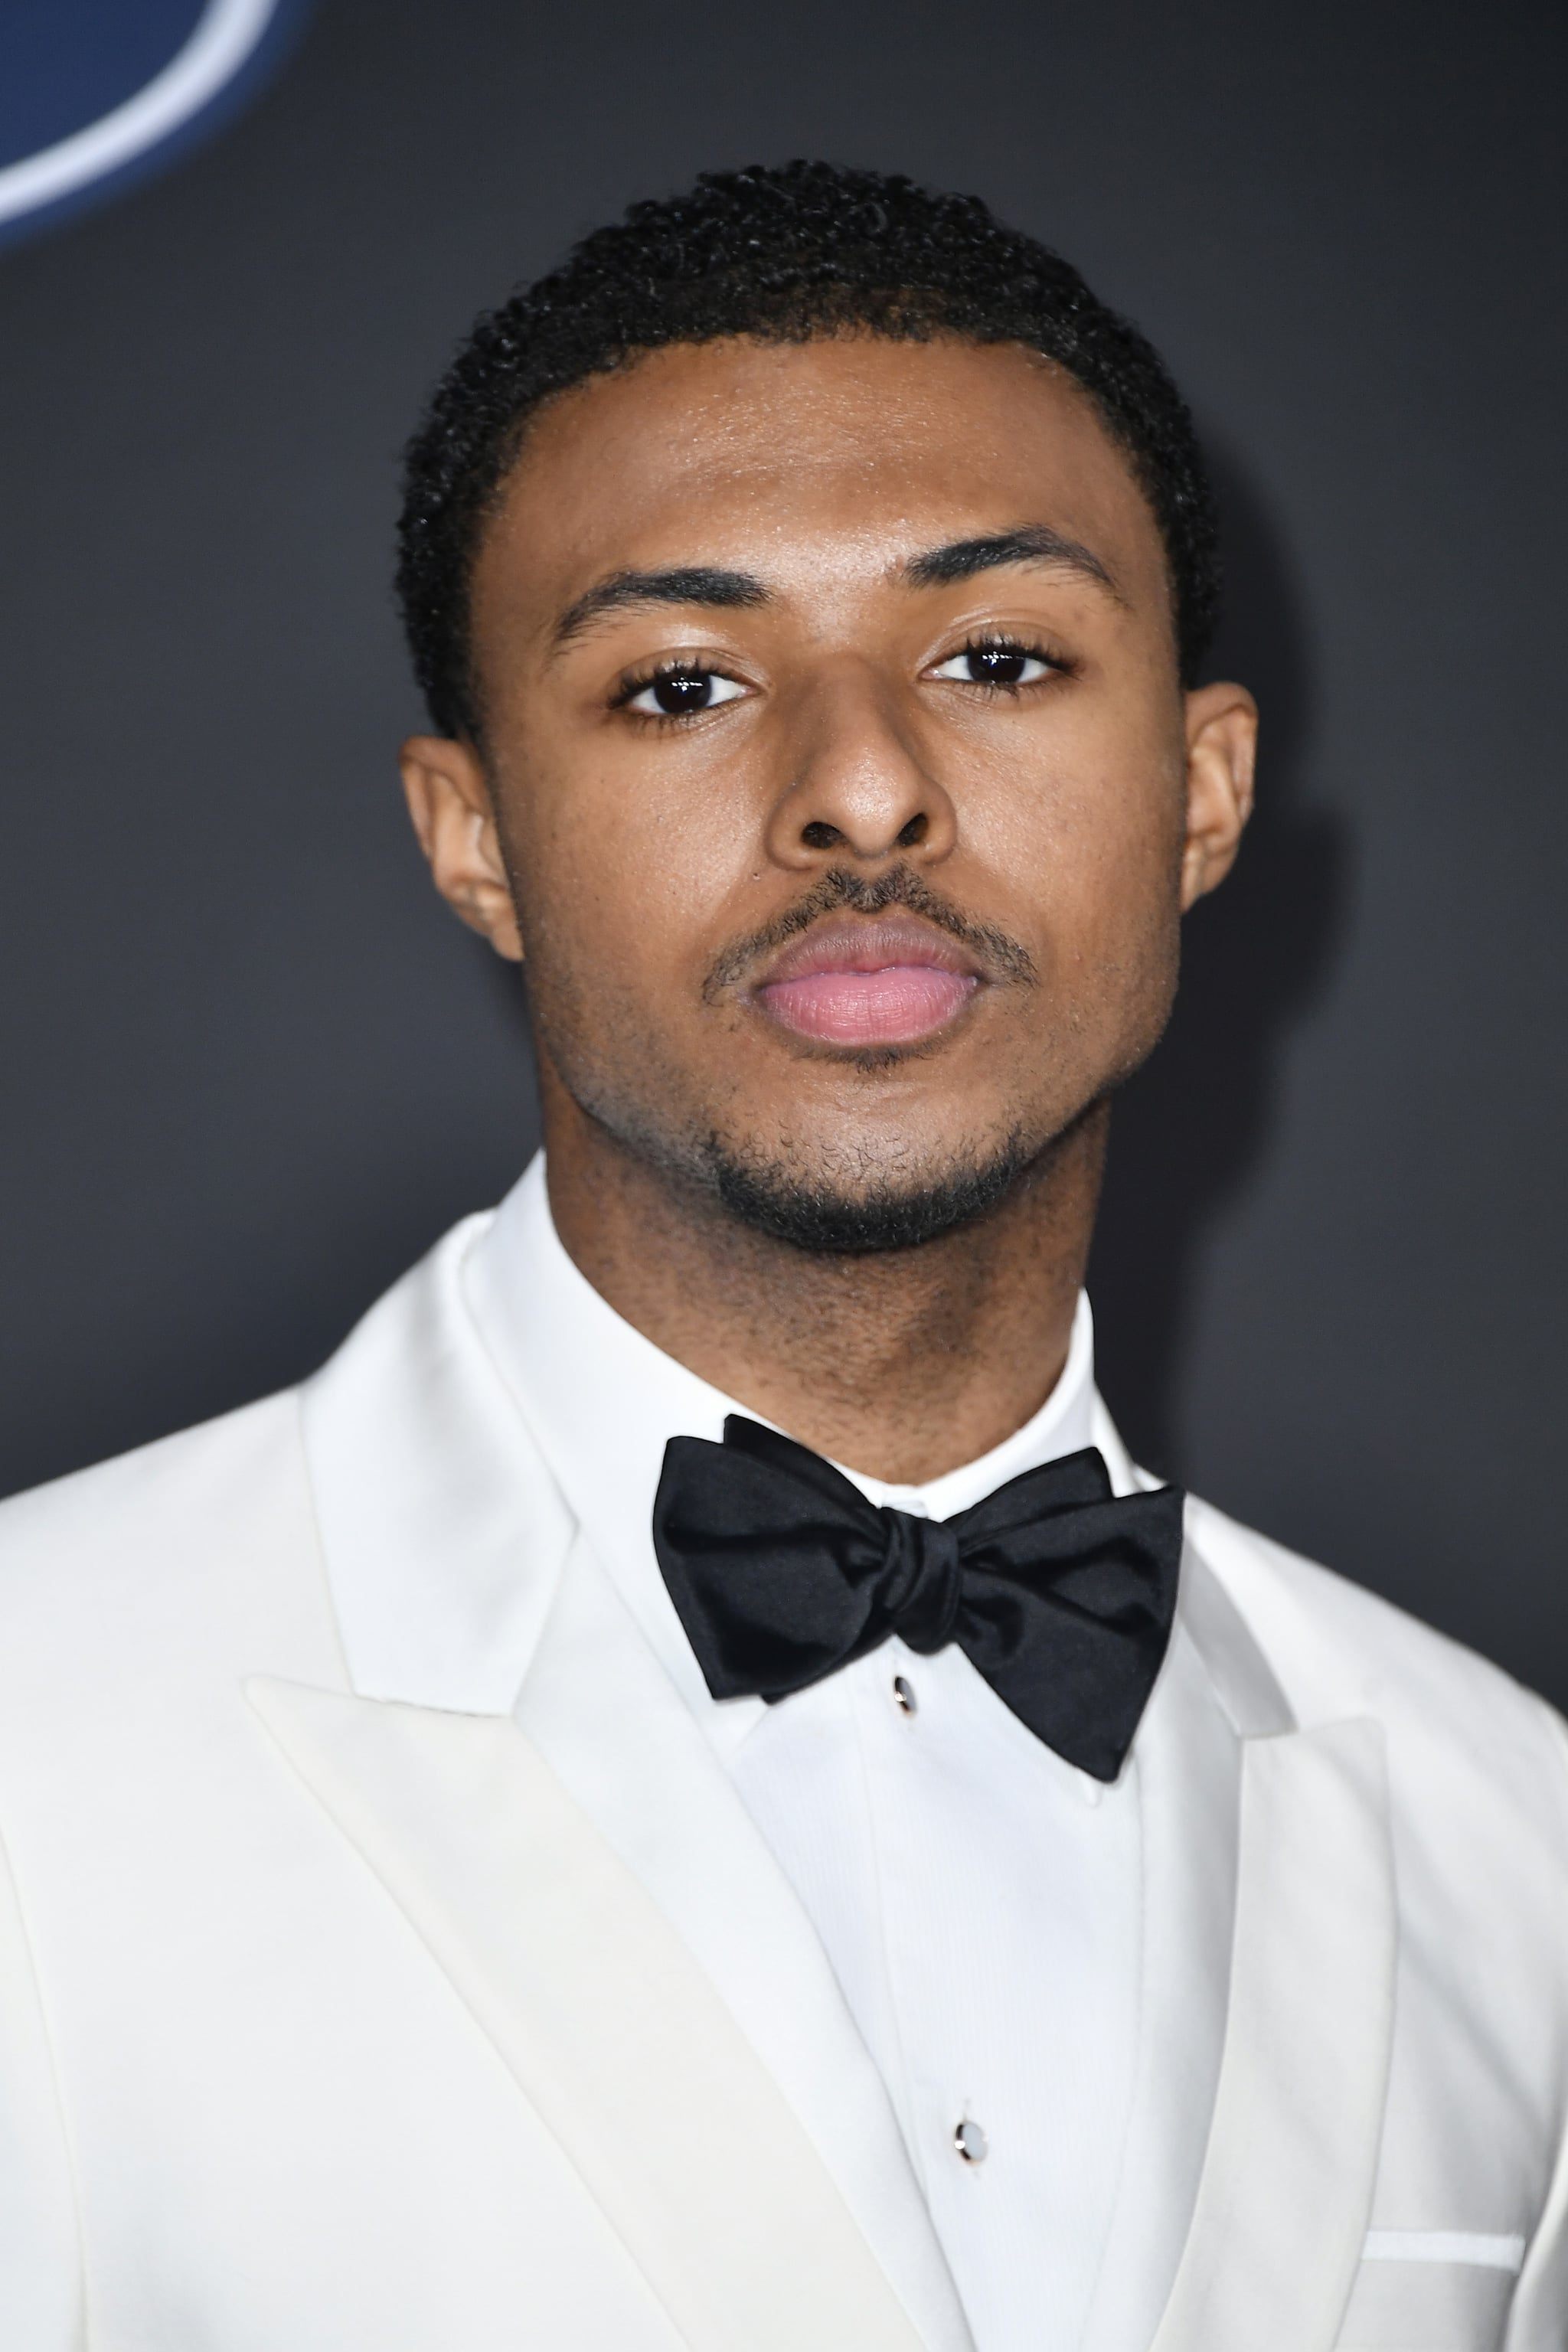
{"x": 904, "y": 1697}
{"x": 970, "y": 2141}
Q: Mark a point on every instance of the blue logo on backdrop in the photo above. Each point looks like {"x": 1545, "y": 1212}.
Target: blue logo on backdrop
{"x": 97, "y": 93}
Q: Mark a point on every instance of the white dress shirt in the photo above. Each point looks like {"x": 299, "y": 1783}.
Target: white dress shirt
{"x": 980, "y": 1900}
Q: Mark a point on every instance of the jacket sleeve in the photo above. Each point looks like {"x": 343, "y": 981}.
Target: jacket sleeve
{"x": 1539, "y": 2319}
{"x": 41, "y": 2298}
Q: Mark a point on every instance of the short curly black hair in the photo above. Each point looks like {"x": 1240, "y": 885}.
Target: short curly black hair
{"x": 784, "y": 254}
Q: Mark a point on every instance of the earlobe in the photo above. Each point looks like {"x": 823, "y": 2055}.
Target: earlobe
{"x": 1222, "y": 743}
{"x": 449, "y": 804}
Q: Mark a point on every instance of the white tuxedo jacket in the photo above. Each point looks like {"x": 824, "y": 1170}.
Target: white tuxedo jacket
{"x": 330, "y": 2017}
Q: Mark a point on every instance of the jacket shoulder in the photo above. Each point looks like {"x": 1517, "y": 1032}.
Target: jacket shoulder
{"x": 191, "y": 1538}
{"x": 161, "y": 1488}
{"x": 1338, "y": 1650}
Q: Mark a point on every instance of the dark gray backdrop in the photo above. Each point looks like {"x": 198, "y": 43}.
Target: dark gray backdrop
{"x": 250, "y": 1068}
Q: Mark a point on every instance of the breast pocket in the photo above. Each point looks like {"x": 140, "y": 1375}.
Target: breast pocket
{"x": 1431, "y": 2291}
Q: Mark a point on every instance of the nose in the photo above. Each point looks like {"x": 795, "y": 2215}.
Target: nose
{"x": 859, "y": 790}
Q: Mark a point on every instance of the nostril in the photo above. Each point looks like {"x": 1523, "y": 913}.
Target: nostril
{"x": 818, "y": 835}
{"x": 914, "y": 833}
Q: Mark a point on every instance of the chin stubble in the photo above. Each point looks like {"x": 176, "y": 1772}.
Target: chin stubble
{"x": 811, "y": 1216}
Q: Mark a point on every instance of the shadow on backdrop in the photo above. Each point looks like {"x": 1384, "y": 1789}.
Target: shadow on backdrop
{"x": 1195, "y": 1125}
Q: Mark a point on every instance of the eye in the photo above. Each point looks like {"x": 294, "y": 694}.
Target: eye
{"x": 681, "y": 691}
{"x": 1003, "y": 665}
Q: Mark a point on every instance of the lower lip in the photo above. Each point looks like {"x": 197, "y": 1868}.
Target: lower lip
{"x": 895, "y": 1006}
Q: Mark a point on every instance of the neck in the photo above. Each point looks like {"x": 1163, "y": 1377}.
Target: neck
{"x": 903, "y": 1364}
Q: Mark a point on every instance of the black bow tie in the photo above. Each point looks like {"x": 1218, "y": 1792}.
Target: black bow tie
{"x": 1060, "y": 1593}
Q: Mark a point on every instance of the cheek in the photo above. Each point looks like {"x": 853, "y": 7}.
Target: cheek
{"x": 1093, "y": 849}
{"x": 621, "y": 878}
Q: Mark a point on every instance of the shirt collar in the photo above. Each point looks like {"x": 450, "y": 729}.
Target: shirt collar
{"x": 603, "y": 1401}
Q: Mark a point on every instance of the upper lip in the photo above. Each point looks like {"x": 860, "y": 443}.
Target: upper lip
{"x": 869, "y": 943}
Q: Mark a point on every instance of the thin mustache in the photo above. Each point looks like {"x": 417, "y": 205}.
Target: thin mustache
{"x": 1004, "y": 958}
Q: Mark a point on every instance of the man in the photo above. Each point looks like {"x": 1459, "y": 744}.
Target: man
{"x": 683, "y": 1791}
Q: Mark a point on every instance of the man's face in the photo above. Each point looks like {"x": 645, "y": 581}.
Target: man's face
{"x": 847, "y": 791}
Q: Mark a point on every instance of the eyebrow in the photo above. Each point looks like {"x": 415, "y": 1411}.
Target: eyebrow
{"x": 696, "y": 584}
{"x": 937, "y": 567}
{"x": 964, "y": 559}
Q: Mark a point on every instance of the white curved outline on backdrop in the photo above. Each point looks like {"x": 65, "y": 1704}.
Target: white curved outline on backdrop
{"x": 227, "y": 34}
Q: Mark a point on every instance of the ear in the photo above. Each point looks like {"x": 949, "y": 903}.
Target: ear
{"x": 1222, "y": 743}
{"x": 449, "y": 802}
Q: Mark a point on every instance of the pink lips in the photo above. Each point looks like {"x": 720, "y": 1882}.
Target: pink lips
{"x": 879, "y": 983}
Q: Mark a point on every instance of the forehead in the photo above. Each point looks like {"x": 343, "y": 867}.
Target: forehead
{"x": 704, "y": 450}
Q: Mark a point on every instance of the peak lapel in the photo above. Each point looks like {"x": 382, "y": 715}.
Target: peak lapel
{"x": 1286, "y": 2185}
{"x": 612, "y": 1726}
{"x": 442, "y": 1527}
{"x": 604, "y": 2019}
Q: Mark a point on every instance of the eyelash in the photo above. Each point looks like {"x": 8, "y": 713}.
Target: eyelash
{"x": 630, "y": 688}
{"x": 1000, "y": 641}
{"x": 989, "y": 642}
